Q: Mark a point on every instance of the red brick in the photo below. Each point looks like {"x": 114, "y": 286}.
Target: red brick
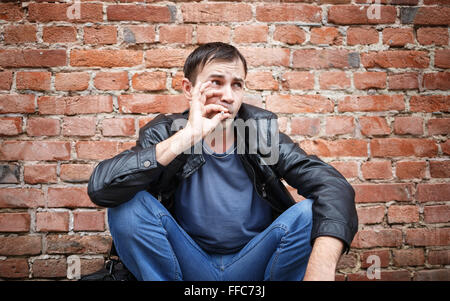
{"x": 305, "y": 126}
{"x": 79, "y": 126}
{"x": 436, "y": 257}
{"x": 107, "y": 58}
{"x": 118, "y": 127}
{"x": 347, "y": 261}
{"x": 89, "y": 221}
{"x": 100, "y": 34}
{"x": 357, "y": 14}
{"x": 436, "y": 214}
{"x": 396, "y": 147}
{"x": 72, "y": 105}
{"x": 17, "y": 58}
{"x": 430, "y": 103}
{"x": 147, "y": 13}
{"x": 383, "y": 255}
{"x": 39, "y": 81}
{"x": 370, "y": 215}
{"x": 251, "y": 34}
{"x": 377, "y": 238}
{"x": 370, "y": 80}
{"x": 49, "y": 268}
{"x": 76, "y": 172}
{"x": 442, "y": 58}
{"x": 408, "y": 125}
{"x": 14, "y": 267}
{"x": 411, "y": 169}
{"x": 212, "y": 33}
{"x": 428, "y": 16}
{"x": 20, "y": 245}
{"x": 10, "y": 126}
{"x": 347, "y": 169}
{"x": 334, "y": 80}
{"x": 338, "y": 148}
{"x": 59, "y": 34}
{"x": 17, "y": 34}
{"x": 48, "y": 12}
{"x": 266, "y": 56}
{"x": 21, "y": 198}
{"x": 403, "y": 214}
{"x": 11, "y": 12}
{"x": 408, "y": 257}
{"x": 76, "y": 244}
{"x": 376, "y": 193}
{"x": 215, "y": 12}
{"x": 261, "y": 80}
{"x": 398, "y": 36}
{"x": 374, "y": 125}
{"x": 73, "y": 81}
{"x": 440, "y": 169}
{"x": 96, "y": 150}
{"x": 321, "y": 58}
{"x": 288, "y": 12}
{"x": 403, "y": 81}
{"x": 445, "y": 146}
{"x": 177, "y": 78}
{"x": 6, "y": 78}
{"x": 439, "y": 192}
{"x": 35, "y": 174}
{"x": 14, "y": 222}
{"x": 338, "y": 125}
{"x": 362, "y": 36}
{"x": 437, "y": 81}
{"x": 89, "y": 266}
{"x": 139, "y": 34}
{"x": 35, "y": 150}
{"x": 69, "y": 197}
{"x": 325, "y": 36}
{"x": 432, "y": 275}
{"x": 39, "y": 126}
{"x": 428, "y": 237}
{"x": 376, "y": 170}
{"x": 111, "y": 80}
{"x": 165, "y": 58}
{"x": 371, "y": 103}
{"x": 289, "y": 34}
{"x": 149, "y": 81}
{"x": 432, "y": 35}
{"x": 152, "y": 103}
{"x": 175, "y": 34}
{"x": 299, "y": 104}
{"x": 395, "y": 59}
{"x": 52, "y": 221}
{"x": 301, "y": 80}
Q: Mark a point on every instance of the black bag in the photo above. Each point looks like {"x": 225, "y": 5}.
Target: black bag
{"x": 114, "y": 270}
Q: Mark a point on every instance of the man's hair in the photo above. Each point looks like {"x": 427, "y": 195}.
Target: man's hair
{"x": 208, "y": 52}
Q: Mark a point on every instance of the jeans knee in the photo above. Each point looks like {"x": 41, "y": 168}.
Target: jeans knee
{"x": 126, "y": 217}
{"x": 300, "y": 215}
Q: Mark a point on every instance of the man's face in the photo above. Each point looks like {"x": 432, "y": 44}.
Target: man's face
{"x": 227, "y": 78}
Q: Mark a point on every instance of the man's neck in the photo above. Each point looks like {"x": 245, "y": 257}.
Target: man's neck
{"x": 221, "y": 140}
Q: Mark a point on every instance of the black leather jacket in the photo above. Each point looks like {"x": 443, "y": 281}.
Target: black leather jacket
{"x": 117, "y": 180}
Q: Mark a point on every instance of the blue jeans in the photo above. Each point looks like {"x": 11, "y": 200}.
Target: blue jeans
{"x": 153, "y": 246}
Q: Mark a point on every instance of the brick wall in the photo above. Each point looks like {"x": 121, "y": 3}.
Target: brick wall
{"x": 363, "y": 87}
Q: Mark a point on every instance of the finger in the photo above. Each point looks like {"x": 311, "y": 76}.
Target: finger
{"x": 215, "y": 108}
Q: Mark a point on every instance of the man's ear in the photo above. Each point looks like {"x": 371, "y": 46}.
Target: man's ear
{"x": 187, "y": 88}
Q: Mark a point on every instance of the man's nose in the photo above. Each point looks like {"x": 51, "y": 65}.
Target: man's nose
{"x": 227, "y": 94}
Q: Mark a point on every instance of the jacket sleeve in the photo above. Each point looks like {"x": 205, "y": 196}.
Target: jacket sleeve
{"x": 334, "y": 212}
{"x": 116, "y": 180}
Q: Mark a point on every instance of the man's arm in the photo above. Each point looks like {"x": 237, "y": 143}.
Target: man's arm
{"x": 323, "y": 259}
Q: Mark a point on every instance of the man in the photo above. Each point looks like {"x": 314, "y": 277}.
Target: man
{"x": 201, "y": 197}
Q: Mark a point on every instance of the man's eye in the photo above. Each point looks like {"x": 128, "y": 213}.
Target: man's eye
{"x": 215, "y": 82}
{"x": 238, "y": 85}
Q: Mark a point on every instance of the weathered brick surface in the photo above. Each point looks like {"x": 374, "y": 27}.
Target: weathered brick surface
{"x": 366, "y": 93}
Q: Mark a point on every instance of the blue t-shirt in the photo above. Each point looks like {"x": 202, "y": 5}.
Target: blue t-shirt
{"x": 218, "y": 205}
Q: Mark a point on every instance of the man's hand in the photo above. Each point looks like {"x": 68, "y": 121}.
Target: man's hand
{"x": 323, "y": 259}
{"x": 203, "y": 119}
